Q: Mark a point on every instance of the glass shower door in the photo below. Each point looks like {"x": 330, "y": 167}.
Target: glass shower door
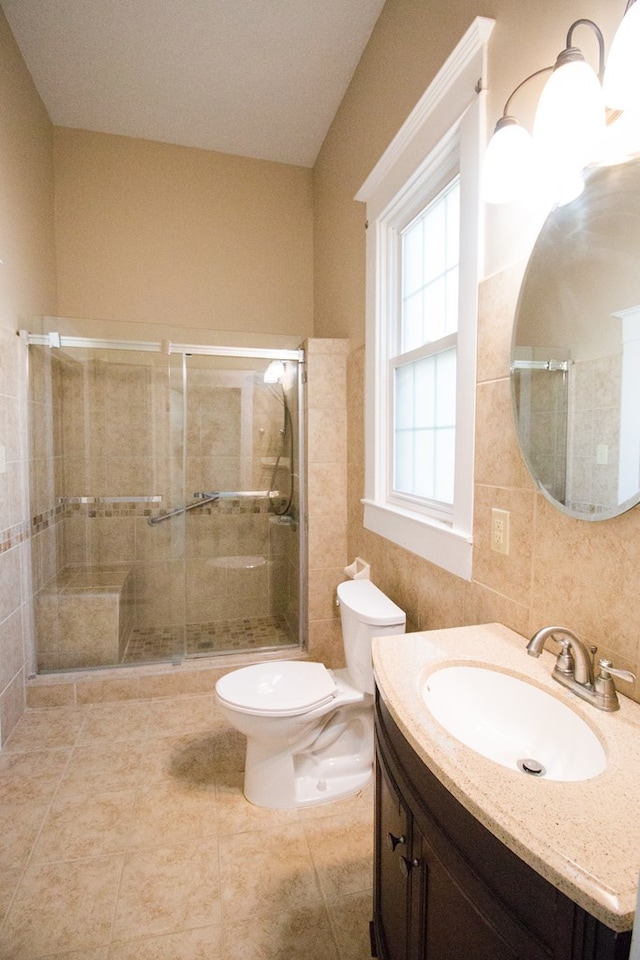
{"x": 241, "y": 569}
{"x": 101, "y": 467}
{"x": 165, "y": 502}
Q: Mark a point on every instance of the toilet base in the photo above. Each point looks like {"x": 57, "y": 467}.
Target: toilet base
{"x": 337, "y": 764}
{"x": 327, "y": 786}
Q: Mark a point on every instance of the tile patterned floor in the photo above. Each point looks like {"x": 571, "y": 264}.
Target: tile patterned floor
{"x": 162, "y": 643}
{"x": 126, "y": 836}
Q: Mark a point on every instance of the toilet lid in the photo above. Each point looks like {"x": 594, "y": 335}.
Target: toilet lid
{"x": 281, "y": 688}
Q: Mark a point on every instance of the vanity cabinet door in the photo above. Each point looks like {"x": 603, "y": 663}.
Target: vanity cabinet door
{"x": 454, "y": 928}
{"x": 392, "y": 891}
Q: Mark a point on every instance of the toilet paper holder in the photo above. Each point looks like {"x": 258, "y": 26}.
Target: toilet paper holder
{"x": 358, "y": 570}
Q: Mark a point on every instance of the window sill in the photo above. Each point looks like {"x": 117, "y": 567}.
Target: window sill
{"x": 427, "y": 538}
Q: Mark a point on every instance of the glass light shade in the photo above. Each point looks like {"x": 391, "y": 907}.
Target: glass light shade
{"x": 622, "y": 76}
{"x": 508, "y": 163}
{"x": 274, "y": 372}
{"x": 569, "y": 125}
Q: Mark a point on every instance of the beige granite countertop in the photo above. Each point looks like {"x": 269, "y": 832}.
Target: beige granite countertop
{"x": 582, "y": 836}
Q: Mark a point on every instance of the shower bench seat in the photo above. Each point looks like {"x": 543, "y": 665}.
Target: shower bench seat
{"x": 84, "y": 617}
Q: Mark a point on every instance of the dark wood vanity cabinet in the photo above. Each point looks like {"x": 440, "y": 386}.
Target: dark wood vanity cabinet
{"x": 446, "y": 889}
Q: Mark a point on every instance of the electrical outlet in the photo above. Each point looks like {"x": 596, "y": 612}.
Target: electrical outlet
{"x": 500, "y": 530}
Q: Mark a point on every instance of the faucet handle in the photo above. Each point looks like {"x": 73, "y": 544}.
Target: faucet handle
{"x": 606, "y": 668}
{"x": 565, "y": 662}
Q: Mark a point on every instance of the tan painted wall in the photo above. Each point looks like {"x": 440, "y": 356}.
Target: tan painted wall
{"x": 559, "y": 569}
{"x": 152, "y": 232}
{"x": 27, "y": 286}
{"x": 27, "y": 277}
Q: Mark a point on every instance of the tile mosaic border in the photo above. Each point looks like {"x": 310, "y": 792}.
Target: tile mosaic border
{"x": 12, "y": 536}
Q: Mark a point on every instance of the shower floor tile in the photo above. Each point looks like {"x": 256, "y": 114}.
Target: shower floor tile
{"x": 202, "y": 639}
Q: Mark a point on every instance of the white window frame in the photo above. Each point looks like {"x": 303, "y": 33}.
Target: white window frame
{"x": 444, "y": 134}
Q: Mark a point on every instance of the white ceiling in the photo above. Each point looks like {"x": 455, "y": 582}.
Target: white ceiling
{"x": 257, "y": 78}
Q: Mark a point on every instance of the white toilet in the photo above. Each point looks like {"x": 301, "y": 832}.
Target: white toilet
{"x": 309, "y": 729}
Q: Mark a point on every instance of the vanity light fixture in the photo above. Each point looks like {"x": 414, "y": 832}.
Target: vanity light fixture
{"x": 622, "y": 75}
{"x": 570, "y": 121}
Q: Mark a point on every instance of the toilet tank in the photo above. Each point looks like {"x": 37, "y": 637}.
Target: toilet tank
{"x": 365, "y": 612}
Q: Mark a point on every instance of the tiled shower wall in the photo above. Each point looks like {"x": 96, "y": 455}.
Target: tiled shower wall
{"x": 326, "y": 432}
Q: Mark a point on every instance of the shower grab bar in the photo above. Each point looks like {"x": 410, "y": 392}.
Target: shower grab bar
{"x": 203, "y": 498}
{"x": 238, "y": 494}
{"x": 179, "y": 510}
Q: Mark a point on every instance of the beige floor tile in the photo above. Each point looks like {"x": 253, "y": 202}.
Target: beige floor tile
{"x": 266, "y": 873}
{"x": 183, "y": 714}
{"x": 167, "y": 890}
{"x": 80, "y": 826}
{"x": 191, "y": 760}
{"x": 205, "y": 943}
{"x": 298, "y": 933}
{"x": 9, "y": 879}
{"x": 20, "y": 826}
{"x": 342, "y": 852}
{"x": 142, "y": 843}
{"x": 103, "y": 768}
{"x": 236, "y": 815}
{"x": 350, "y": 917}
{"x": 132, "y": 720}
{"x": 31, "y": 777}
{"x": 45, "y": 729}
{"x": 61, "y": 907}
{"x": 167, "y": 814}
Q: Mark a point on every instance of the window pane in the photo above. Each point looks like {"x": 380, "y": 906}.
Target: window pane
{"x": 435, "y": 248}
{"x": 413, "y": 261}
{"x": 413, "y": 328}
{"x": 430, "y": 254}
{"x": 435, "y": 310}
{"x": 405, "y": 396}
{"x": 453, "y": 227}
{"x": 424, "y": 427}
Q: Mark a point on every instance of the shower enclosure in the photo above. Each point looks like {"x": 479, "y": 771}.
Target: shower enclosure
{"x": 165, "y": 500}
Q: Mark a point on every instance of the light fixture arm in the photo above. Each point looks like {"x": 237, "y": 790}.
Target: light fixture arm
{"x": 598, "y": 32}
{"x": 531, "y": 76}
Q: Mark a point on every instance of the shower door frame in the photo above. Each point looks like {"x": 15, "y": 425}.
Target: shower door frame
{"x": 168, "y": 347}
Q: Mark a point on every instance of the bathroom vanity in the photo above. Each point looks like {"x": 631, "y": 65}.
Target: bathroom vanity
{"x": 474, "y": 860}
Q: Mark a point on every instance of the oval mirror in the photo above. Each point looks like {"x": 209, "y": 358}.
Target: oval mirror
{"x": 575, "y": 353}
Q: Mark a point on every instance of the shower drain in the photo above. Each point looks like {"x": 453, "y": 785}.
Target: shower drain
{"x": 533, "y": 767}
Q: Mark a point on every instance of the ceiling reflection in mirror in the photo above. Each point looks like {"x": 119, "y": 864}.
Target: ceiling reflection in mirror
{"x": 575, "y": 357}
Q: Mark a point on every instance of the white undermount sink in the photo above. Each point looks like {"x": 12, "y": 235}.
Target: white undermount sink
{"x": 513, "y": 723}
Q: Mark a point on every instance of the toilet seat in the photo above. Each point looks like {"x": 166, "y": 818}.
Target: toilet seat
{"x": 281, "y": 688}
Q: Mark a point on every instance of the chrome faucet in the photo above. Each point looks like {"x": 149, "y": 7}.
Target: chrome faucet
{"x": 574, "y": 669}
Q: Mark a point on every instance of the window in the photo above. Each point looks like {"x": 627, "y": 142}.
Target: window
{"x": 423, "y": 364}
{"x": 423, "y": 266}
